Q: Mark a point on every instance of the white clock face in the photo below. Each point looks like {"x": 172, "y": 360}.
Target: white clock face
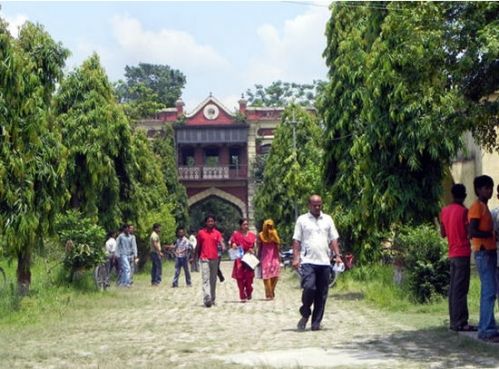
{"x": 211, "y": 111}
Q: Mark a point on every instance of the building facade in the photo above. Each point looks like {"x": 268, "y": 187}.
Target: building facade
{"x": 216, "y": 148}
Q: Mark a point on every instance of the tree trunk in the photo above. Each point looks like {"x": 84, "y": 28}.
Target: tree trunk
{"x": 23, "y": 271}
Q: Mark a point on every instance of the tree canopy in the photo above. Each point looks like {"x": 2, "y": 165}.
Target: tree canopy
{"x": 113, "y": 174}
{"x": 164, "y": 148}
{"x": 393, "y": 117}
{"x": 148, "y": 88}
{"x": 290, "y": 176}
{"x": 32, "y": 158}
{"x": 280, "y": 94}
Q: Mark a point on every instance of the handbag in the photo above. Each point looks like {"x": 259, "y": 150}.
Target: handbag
{"x": 250, "y": 260}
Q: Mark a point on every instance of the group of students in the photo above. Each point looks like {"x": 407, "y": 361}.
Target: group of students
{"x": 315, "y": 246}
{"x": 207, "y": 248}
{"x": 315, "y": 242}
{"x": 477, "y": 230}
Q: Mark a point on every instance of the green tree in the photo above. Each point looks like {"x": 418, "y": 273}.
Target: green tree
{"x": 32, "y": 158}
{"x": 98, "y": 137}
{"x": 291, "y": 176}
{"x": 280, "y": 94}
{"x": 409, "y": 123}
{"x": 350, "y": 33}
{"x": 113, "y": 174}
{"x": 164, "y": 148}
{"x": 149, "y": 87}
{"x": 472, "y": 46}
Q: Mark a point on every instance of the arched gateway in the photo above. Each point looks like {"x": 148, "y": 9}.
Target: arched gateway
{"x": 212, "y": 191}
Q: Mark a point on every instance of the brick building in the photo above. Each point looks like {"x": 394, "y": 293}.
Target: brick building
{"x": 216, "y": 148}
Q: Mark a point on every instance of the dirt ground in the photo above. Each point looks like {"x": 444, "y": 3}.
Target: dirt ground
{"x": 147, "y": 327}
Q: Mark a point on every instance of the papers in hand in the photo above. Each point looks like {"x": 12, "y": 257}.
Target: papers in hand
{"x": 250, "y": 260}
{"x": 236, "y": 253}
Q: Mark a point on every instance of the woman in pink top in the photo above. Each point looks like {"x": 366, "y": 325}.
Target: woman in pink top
{"x": 268, "y": 250}
{"x": 241, "y": 272}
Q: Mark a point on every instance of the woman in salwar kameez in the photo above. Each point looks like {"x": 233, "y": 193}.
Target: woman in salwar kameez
{"x": 270, "y": 262}
{"x": 242, "y": 273}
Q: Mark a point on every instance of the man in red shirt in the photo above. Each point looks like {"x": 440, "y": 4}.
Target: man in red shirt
{"x": 454, "y": 226}
{"x": 209, "y": 238}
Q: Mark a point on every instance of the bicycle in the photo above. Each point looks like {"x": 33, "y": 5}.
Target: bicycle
{"x": 101, "y": 277}
{"x": 103, "y": 273}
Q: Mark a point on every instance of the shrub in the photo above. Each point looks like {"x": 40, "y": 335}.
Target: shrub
{"x": 425, "y": 261}
{"x": 83, "y": 240}
{"x": 366, "y": 246}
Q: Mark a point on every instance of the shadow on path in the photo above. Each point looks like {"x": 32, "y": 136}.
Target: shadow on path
{"x": 435, "y": 347}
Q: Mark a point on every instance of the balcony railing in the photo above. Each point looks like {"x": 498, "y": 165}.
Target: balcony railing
{"x": 209, "y": 173}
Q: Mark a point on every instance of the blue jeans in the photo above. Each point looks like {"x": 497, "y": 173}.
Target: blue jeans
{"x": 486, "y": 264}
{"x": 156, "y": 269}
{"x": 181, "y": 262}
{"x": 124, "y": 271}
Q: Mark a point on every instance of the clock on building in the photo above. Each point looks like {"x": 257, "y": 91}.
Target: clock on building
{"x": 211, "y": 111}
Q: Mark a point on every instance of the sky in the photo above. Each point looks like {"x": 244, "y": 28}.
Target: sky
{"x": 222, "y": 47}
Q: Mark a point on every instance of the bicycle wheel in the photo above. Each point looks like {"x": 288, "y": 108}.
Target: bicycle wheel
{"x": 100, "y": 277}
{"x": 3, "y": 280}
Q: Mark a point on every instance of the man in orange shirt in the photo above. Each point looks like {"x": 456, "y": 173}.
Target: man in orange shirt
{"x": 484, "y": 245}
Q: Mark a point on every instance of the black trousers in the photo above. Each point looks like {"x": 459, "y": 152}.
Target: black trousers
{"x": 315, "y": 284}
{"x": 458, "y": 291}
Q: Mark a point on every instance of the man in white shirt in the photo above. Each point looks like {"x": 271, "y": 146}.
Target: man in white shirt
{"x": 314, "y": 239}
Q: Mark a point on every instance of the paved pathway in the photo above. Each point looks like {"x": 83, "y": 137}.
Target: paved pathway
{"x": 146, "y": 327}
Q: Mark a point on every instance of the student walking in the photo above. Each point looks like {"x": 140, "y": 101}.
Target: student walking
{"x": 454, "y": 226}
{"x": 268, "y": 252}
{"x": 183, "y": 249}
{"x": 241, "y": 272}
{"x": 314, "y": 238}
{"x": 209, "y": 238}
{"x": 484, "y": 245}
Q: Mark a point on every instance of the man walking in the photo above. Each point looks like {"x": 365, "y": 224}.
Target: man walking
{"x": 314, "y": 238}
{"x": 182, "y": 250}
{"x": 156, "y": 255}
{"x": 454, "y": 226}
{"x": 209, "y": 239}
{"x": 123, "y": 250}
